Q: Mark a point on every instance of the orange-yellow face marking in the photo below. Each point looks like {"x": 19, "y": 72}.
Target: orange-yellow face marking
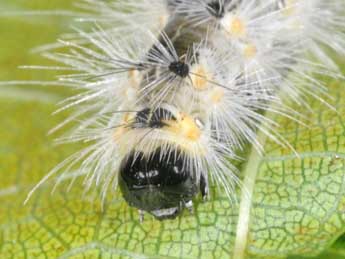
{"x": 185, "y": 126}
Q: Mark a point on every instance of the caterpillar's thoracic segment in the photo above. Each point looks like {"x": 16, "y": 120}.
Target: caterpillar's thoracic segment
{"x": 178, "y": 86}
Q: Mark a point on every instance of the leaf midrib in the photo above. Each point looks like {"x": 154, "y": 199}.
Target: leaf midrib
{"x": 243, "y": 223}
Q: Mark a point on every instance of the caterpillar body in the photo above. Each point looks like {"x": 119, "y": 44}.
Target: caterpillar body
{"x": 177, "y": 87}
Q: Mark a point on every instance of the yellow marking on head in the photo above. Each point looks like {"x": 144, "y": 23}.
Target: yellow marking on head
{"x": 184, "y": 126}
{"x": 250, "y": 51}
{"x": 217, "y": 95}
{"x": 199, "y": 77}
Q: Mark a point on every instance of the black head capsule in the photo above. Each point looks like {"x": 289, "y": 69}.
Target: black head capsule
{"x": 179, "y": 68}
{"x": 159, "y": 184}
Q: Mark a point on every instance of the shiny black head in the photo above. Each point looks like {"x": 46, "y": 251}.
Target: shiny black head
{"x": 159, "y": 183}
{"x": 179, "y": 68}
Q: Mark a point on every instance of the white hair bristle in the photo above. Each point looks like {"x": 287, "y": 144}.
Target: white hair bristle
{"x": 214, "y": 66}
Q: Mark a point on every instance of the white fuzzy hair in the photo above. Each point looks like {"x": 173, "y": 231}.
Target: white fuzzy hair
{"x": 251, "y": 51}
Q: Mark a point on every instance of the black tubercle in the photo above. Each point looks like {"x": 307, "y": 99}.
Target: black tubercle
{"x": 280, "y": 4}
{"x": 159, "y": 183}
{"x": 158, "y": 117}
{"x": 179, "y": 68}
{"x": 153, "y": 119}
{"x": 142, "y": 117}
{"x": 216, "y": 9}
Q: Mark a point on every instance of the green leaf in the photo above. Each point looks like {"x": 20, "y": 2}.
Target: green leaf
{"x": 337, "y": 251}
{"x": 299, "y": 202}
{"x": 295, "y": 206}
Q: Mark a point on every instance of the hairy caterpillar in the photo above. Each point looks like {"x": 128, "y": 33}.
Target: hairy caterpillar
{"x": 165, "y": 107}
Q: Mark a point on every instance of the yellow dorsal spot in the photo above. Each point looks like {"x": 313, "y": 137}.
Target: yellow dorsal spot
{"x": 118, "y": 133}
{"x": 290, "y": 7}
{"x": 249, "y": 51}
{"x": 163, "y": 19}
{"x": 123, "y": 129}
{"x": 134, "y": 78}
{"x": 199, "y": 78}
{"x": 217, "y": 95}
{"x": 237, "y": 27}
{"x": 185, "y": 126}
{"x": 127, "y": 118}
